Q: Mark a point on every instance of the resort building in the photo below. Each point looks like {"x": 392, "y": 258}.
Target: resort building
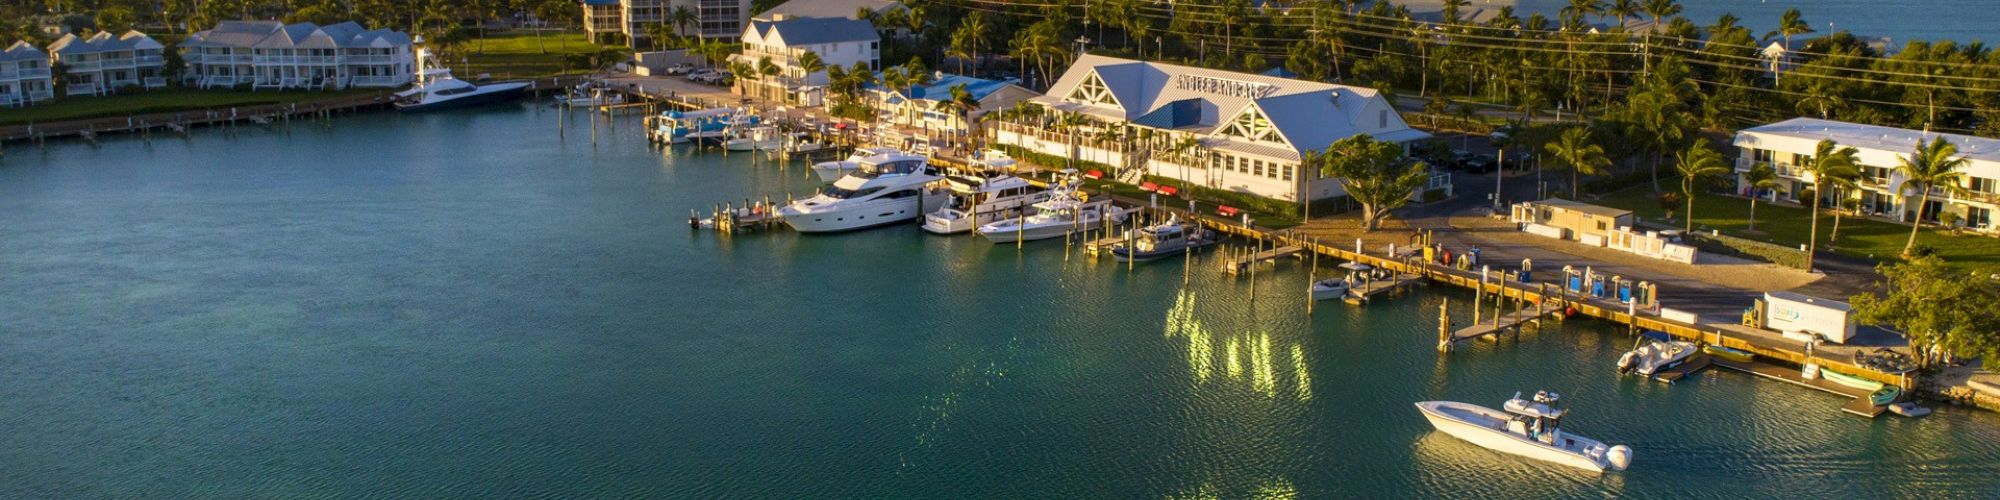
{"x": 272, "y": 55}
{"x": 24, "y": 76}
{"x": 926, "y": 106}
{"x": 103, "y": 63}
{"x": 718, "y": 19}
{"x": 1791, "y": 143}
{"x": 1224, "y": 130}
{"x": 825, "y": 8}
{"x": 837, "y": 41}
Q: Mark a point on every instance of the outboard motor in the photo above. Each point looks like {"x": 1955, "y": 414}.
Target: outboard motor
{"x": 1619, "y": 456}
{"x": 1628, "y": 362}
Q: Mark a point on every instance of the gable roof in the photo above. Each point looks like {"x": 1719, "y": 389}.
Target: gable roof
{"x": 103, "y": 42}
{"x": 23, "y": 51}
{"x": 939, "y": 88}
{"x": 272, "y": 34}
{"x": 813, "y": 31}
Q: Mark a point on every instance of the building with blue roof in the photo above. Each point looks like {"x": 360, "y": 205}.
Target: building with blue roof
{"x": 1252, "y": 132}
{"x": 103, "y": 63}
{"x": 24, "y": 75}
{"x": 273, "y": 55}
{"x": 924, "y": 106}
{"x": 837, "y": 41}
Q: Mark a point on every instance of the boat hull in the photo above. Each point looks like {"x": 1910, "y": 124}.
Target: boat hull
{"x": 1498, "y": 440}
{"x": 1323, "y": 292}
{"x": 1123, "y": 254}
{"x": 1033, "y": 233}
{"x": 1849, "y": 380}
{"x": 1729, "y": 354}
{"x": 502, "y": 92}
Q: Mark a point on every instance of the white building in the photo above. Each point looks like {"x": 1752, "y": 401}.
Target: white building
{"x": 24, "y": 76}
{"x": 923, "y": 106}
{"x": 717, "y": 19}
{"x": 103, "y": 63}
{"x": 1252, "y": 130}
{"x": 1788, "y": 144}
{"x": 838, "y": 42}
{"x": 271, "y": 55}
{"x": 825, "y": 8}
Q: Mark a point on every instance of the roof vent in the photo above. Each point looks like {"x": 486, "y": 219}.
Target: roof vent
{"x": 1335, "y": 97}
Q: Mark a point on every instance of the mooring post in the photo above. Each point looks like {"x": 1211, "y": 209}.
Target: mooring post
{"x": 1444, "y": 326}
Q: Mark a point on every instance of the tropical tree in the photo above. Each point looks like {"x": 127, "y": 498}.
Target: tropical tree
{"x": 961, "y": 103}
{"x": 1933, "y": 164}
{"x": 1576, "y": 151}
{"x": 1760, "y": 176}
{"x": 1792, "y": 23}
{"x": 682, "y": 17}
{"x": 1696, "y": 164}
{"x": 1829, "y": 165}
{"x": 1376, "y": 174}
{"x": 811, "y": 63}
{"x": 1941, "y": 311}
{"x": 968, "y": 40}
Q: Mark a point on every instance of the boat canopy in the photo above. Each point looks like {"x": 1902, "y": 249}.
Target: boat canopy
{"x": 1527, "y": 408}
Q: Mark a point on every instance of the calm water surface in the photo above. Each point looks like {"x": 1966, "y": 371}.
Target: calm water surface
{"x": 461, "y": 305}
{"x": 1901, "y": 21}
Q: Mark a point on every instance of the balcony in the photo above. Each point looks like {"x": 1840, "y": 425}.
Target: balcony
{"x": 84, "y": 66}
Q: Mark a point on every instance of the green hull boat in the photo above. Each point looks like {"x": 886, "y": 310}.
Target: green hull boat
{"x": 1737, "y": 355}
{"x": 1887, "y": 394}
{"x": 1849, "y": 380}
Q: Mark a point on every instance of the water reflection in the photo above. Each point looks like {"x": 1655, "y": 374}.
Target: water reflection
{"x": 1247, "y": 357}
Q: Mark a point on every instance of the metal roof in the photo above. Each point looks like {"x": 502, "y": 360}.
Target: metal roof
{"x": 939, "y": 88}
{"x": 813, "y": 31}
{"x": 23, "y": 51}
{"x": 820, "y": 8}
{"x": 271, "y": 34}
{"x": 1882, "y": 140}
{"x": 103, "y": 42}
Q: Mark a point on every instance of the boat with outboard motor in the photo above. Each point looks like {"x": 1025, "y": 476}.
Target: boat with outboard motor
{"x": 1658, "y": 352}
{"x": 884, "y": 189}
{"x": 1067, "y": 211}
{"x": 982, "y": 196}
{"x": 1328, "y": 289}
{"x": 435, "y": 88}
{"x": 1173, "y": 237}
{"x": 1528, "y": 428}
{"x": 759, "y": 138}
{"x": 830, "y": 171}
{"x": 674, "y": 127}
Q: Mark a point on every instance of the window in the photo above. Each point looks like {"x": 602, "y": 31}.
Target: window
{"x": 1288, "y": 171}
{"x": 1382, "y": 119}
{"x": 1093, "y": 91}
{"x": 1982, "y": 184}
{"x": 1253, "y": 125}
{"x": 1259, "y": 167}
{"x": 1600, "y": 226}
{"x": 1978, "y": 218}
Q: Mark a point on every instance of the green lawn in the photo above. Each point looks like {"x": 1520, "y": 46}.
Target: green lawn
{"x": 523, "y": 54}
{"x": 159, "y": 101}
{"x": 1789, "y": 226}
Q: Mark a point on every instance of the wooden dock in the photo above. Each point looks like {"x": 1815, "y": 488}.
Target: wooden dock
{"x": 1241, "y": 264}
{"x": 1367, "y": 290}
{"x": 1698, "y": 363}
{"x": 1859, "y": 405}
{"x": 1509, "y": 321}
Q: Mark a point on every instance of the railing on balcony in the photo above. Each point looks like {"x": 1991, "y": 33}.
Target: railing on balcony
{"x": 92, "y": 65}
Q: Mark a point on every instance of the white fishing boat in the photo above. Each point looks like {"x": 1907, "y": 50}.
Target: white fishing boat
{"x": 1328, "y": 289}
{"x": 830, "y": 171}
{"x": 755, "y": 139}
{"x": 1066, "y": 212}
{"x": 992, "y": 159}
{"x": 885, "y": 189}
{"x": 801, "y": 143}
{"x": 1530, "y": 429}
{"x": 980, "y": 196}
{"x": 1173, "y": 237}
{"x": 1657, "y": 353}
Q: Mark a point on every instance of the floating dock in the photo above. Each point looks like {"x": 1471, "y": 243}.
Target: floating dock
{"x": 1367, "y": 290}
{"x": 1241, "y": 264}
{"x": 1509, "y": 321}
{"x": 1860, "y": 405}
{"x": 1694, "y": 364}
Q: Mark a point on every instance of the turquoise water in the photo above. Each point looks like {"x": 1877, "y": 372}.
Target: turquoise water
{"x": 1901, "y": 21}
{"x": 463, "y": 304}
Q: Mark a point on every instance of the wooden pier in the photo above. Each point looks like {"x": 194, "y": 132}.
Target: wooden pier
{"x": 1859, "y": 405}
{"x": 1240, "y": 264}
{"x": 1694, "y": 364}
{"x": 1503, "y": 323}
{"x": 1364, "y": 292}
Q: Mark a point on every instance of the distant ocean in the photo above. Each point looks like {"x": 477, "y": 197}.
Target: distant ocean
{"x": 1900, "y": 21}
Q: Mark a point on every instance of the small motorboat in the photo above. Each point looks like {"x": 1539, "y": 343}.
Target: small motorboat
{"x": 1173, "y": 237}
{"x": 1527, "y": 428}
{"x": 1328, "y": 289}
{"x": 755, "y": 139}
{"x": 1909, "y": 409}
{"x": 992, "y": 159}
{"x": 1658, "y": 353}
{"x": 1737, "y": 355}
{"x": 1886, "y": 395}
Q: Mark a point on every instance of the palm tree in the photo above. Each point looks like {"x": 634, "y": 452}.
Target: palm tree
{"x": 1820, "y": 98}
{"x": 1697, "y": 163}
{"x": 810, "y": 63}
{"x": 1575, "y": 151}
{"x": 766, "y": 70}
{"x": 1623, "y": 10}
{"x": 1760, "y": 176}
{"x": 1792, "y": 23}
{"x": 967, "y": 41}
{"x": 1935, "y": 164}
{"x": 1829, "y": 162}
{"x": 744, "y": 73}
{"x": 1580, "y": 8}
{"x": 1660, "y": 10}
{"x": 683, "y": 16}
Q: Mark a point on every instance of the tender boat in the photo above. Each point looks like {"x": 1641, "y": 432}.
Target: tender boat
{"x": 982, "y": 196}
{"x": 1529, "y": 429}
{"x": 435, "y": 89}
{"x": 884, "y": 189}
{"x": 590, "y": 94}
{"x": 1737, "y": 355}
{"x": 1328, "y": 289}
{"x": 830, "y": 171}
{"x": 1066, "y": 212}
{"x": 1658, "y": 353}
{"x": 1886, "y": 395}
{"x": 1171, "y": 238}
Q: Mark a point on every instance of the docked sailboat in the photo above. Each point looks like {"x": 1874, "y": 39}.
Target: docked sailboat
{"x": 1658, "y": 353}
{"x": 830, "y": 171}
{"x": 1528, "y": 428}
{"x": 982, "y": 196}
{"x": 1174, "y": 237}
{"x": 885, "y": 189}
{"x": 1066, "y": 212}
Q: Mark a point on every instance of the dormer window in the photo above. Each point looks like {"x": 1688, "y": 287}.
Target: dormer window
{"x": 1093, "y": 91}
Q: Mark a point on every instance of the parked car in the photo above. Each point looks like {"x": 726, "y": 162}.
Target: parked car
{"x": 680, "y": 69}
{"x": 1479, "y": 164}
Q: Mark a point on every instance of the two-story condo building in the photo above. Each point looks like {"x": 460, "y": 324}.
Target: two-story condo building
{"x": 103, "y": 63}
{"x": 923, "y": 106}
{"x": 24, "y": 76}
{"x": 717, "y": 19}
{"x": 272, "y": 55}
{"x": 1250, "y": 132}
{"x": 1788, "y": 144}
{"x": 838, "y": 41}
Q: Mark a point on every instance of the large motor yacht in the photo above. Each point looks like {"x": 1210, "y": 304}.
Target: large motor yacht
{"x": 1530, "y": 429}
{"x": 1068, "y": 211}
{"x": 435, "y": 88}
{"x": 979, "y": 197}
{"x": 830, "y": 171}
{"x": 883, "y": 189}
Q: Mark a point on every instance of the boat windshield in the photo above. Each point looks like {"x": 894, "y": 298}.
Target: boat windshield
{"x": 846, "y": 194}
{"x": 893, "y": 168}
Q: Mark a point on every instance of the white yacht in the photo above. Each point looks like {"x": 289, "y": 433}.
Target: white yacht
{"x": 830, "y": 171}
{"x": 1174, "y": 237}
{"x": 801, "y": 143}
{"x": 1067, "y": 211}
{"x": 988, "y": 196}
{"x": 762, "y": 138}
{"x": 1530, "y": 429}
{"x": 883, "y": 189}
{"x": 1658, "y": 353}
{"x": 435, "y": 88}
{"x": 993, "y": 159}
